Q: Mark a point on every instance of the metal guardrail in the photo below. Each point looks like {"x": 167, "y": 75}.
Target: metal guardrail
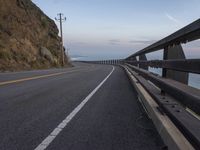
{"x": 186, "y": 95}
{"x": 175, "y": 67}
{"x": 111, "y": 61}
{"x": 185, "y": 65}
{"x": 184, "y": 35}
{"x": 173, "y": 59}
{"x": 174, "y": 95}
{"x": 185, "y": 121}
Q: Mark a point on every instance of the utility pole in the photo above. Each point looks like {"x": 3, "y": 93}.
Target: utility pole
{"x": 61, "y": 19}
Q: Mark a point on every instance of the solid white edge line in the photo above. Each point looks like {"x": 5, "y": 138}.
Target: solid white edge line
{"x": 45, "y": 143}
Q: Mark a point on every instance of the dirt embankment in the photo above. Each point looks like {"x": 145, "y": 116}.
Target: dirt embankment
{"x": 28, "y": 38}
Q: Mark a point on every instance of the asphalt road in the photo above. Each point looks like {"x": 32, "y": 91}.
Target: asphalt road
{"x": 34, "y": 103}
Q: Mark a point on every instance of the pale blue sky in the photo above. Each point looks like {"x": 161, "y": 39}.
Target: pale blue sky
{"x": 100, "y": 29}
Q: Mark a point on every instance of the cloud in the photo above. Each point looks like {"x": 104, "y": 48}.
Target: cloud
{"x": 142, "y": 41}
{"x": 173, "y": 19}
{"x": 78, "y": 56}
{"x": 114, "y": 42}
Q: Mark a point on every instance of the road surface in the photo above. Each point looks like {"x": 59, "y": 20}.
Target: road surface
{"x": 95, "y": 104}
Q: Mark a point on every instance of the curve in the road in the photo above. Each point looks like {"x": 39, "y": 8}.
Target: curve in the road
{"x": 64, "y": 123}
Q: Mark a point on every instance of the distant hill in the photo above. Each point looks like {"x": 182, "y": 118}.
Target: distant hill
{"x": 28, "y": 38}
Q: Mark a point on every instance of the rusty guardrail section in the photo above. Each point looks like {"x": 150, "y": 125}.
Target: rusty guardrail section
{"x": 180, "y": 102}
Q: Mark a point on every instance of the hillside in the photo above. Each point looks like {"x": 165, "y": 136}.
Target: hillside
{"x": 28, "y": 38}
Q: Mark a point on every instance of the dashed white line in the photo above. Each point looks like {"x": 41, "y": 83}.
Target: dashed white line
{"x": 45, "y": 143}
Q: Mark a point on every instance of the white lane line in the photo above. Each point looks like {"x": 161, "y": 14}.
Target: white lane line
{"x": 45, "y": 143}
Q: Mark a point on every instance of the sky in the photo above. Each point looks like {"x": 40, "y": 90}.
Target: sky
{"x": 109, "y": 29}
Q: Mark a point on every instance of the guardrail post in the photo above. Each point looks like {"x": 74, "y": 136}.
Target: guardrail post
{"x": 175, "y": 52}
{"x": 143, "y": 57}
{"x": 132, "y": 59}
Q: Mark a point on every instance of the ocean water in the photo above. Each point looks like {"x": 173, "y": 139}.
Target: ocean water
{"x": 191, "y": 51}
{"x": 194, "y": 79}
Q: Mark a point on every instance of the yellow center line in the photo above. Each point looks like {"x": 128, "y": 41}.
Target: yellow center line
{"x": 35, "y": 77}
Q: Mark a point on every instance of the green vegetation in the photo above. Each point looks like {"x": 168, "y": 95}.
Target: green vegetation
{"x": 44, "y": 22}
{"x": 5, "y": 55}
{"x": 53, "y": 34}
{"x": 1, "y": 27}
{"x": 1, "y": 46}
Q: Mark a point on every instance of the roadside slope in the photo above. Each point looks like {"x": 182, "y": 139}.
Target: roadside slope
{"x": 28, "y": 38}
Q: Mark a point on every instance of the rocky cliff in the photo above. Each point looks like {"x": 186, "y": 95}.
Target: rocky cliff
{"x": 28, "y": 38}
